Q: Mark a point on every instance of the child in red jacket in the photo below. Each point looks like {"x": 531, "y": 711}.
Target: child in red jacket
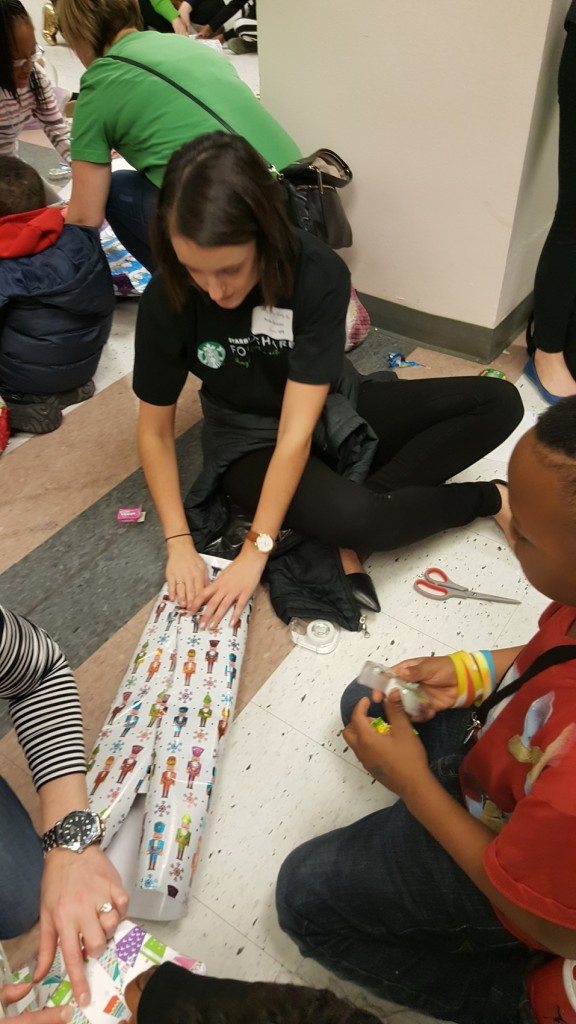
{"x": 56, "y": 303}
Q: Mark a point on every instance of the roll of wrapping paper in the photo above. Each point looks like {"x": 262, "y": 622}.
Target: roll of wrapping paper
{"x": 163, "y": 736}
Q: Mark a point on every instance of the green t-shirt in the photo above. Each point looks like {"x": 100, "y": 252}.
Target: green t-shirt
{"x": 125, "y": 108}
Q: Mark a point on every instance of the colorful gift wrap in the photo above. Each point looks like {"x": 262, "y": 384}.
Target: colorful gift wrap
{"x": 161, "y": 743}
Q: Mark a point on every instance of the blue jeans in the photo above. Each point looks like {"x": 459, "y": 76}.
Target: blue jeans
{"x": 129, "y": 211}
{"x": 21, "y": 866}
{"x": 382, "y": 904}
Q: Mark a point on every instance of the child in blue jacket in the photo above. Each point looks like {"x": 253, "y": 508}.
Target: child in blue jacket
{"x": 56, "y": 303}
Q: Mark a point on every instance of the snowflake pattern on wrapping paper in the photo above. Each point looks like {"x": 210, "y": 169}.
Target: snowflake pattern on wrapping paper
{"x": 117, "y": 746}
{"x": 162, "y": 808}
{"x": 190, "y": 799}
{"x": 234, "y": 645}
{"x": 226, "y": 699}
{"x": 175, "y": 746}
{"x": 144, "y": 735}
{"x": 215, "y": 631}
{"x": 142, "y": 691}
{"x": 176, "y": 872}
{"x": 193, "y": 641}
{"x": 104, "y": 733}
{"x": 163, "y": 639}
{"x": 149, "y": 882}
{"x": 185, "y": 695}
{"x": 200, "y": 735}
{"x": 113, "y": 794}
{"x": 209, "y": 684}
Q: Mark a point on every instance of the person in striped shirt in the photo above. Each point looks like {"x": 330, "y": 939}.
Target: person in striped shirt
{"x": 25, "y": 90}
{"x": 79, "y": 898}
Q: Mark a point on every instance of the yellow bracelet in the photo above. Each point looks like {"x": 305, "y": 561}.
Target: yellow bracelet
{"x": 476, "y": 678}
{"x": 481, "y": 661}
{"x": 461, "y": 678}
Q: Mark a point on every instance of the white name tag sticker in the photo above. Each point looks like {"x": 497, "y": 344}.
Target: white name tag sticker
{"x": 276, "y": 323}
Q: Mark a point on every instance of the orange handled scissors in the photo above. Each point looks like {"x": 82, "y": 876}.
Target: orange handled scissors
{"x": 436, "y": 584}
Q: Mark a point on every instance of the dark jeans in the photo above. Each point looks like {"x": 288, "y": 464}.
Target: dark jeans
{"x": 129, "y": 211}
{"x": 555, "y": 284}
{"x": 428, "y": 431}
{"x": 21, "y": 865}
{"x": 382, "y": 904}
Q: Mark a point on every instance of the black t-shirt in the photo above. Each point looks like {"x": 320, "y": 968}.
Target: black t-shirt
{"x": 571, "y": 14}
{"x": 244, "y": 356}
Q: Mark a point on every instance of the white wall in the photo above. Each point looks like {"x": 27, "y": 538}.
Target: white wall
{"x": 445, "y": 110}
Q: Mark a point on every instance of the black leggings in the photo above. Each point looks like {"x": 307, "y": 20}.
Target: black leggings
{"x": 202, "y": 12}
{"x": 555, "y": 284}
{"x": 428, "y": 430}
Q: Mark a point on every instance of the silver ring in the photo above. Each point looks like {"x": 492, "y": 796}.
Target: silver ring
{"x": 106, "y": 908}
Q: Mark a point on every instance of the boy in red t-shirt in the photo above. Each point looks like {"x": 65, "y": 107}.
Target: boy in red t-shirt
{"x": 460, "y": 899}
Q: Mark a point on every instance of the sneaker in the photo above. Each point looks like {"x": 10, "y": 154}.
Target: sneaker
{"x": 81, "y": 394}
{"x": 34, "y": 414}
{"x": 237, "y": 45}
{"x": 552, "y": 991}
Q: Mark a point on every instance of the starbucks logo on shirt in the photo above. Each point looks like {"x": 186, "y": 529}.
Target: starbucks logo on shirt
{"x": 211, "y": 354}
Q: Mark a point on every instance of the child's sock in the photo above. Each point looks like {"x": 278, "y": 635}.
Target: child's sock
{"x": 552, "y": 991}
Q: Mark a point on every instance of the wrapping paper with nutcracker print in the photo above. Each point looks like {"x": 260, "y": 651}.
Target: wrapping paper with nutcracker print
{"x": 163, "y": 737}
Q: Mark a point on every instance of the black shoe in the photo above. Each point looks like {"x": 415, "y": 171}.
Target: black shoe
{"x": 81, "y": 394}
{"x": 34, "y": 414}
{"x": 364, "y": 591}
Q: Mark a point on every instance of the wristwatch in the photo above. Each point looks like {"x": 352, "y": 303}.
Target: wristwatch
{"x": 75, "y": 831}
{"x": 263, "y": 541}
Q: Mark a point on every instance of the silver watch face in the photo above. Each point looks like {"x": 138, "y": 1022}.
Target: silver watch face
{"x": 78, "y": 830}
{"x": 264, "y": 543}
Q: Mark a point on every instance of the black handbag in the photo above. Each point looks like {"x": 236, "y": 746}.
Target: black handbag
{"x": 310, "y": 184}
{"x": 313, "y": 201}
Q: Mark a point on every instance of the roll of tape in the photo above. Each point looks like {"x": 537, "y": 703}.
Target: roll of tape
{"x": 320, "y": 631}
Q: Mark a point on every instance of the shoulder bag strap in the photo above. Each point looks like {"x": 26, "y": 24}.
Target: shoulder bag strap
{"x": 185, "y": 92}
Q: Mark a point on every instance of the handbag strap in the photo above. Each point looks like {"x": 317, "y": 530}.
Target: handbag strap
{"x": 185, "y": 92}
{"x": 546, "y": 660}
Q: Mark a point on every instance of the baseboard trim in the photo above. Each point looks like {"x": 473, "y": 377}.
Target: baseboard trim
{"x": 455, "y": 337}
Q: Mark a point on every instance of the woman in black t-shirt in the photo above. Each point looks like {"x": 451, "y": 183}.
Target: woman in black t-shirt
{"x": 257, "y": 311}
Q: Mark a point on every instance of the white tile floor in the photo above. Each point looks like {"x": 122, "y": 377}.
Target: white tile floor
{"x": 287, "y": 775}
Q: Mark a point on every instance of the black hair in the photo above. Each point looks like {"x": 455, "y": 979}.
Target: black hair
{"x": 21, "y": 187}
{"x": 174, "y": 996}
{"x": 556, "y": 428}
{"x": 10, "y": 12}
{"x": 218, "y": 191}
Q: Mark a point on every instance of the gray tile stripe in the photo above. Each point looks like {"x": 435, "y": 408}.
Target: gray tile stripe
{"x": 91, "y": 577}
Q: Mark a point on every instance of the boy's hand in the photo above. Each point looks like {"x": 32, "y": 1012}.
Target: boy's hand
{"x": 396, "y": 758}
{"x": 436, "y": 676}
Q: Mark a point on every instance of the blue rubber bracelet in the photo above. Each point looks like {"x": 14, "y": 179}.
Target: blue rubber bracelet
{"x": 491, "y": 666}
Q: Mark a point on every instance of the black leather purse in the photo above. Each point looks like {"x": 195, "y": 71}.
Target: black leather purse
{"x": 310, "y": 184}
{"x": 313, "y": 201}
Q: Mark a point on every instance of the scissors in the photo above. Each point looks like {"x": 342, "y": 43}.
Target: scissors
{"x": 436, "y": 584}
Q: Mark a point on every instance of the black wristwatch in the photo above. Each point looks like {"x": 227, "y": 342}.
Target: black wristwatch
{"x": 75, "y": 831}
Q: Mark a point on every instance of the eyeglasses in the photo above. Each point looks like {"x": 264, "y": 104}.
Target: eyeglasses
{"x": 28, "y": 61}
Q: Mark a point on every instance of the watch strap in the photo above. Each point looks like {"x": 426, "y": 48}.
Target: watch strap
{"x": 253, "y": 535}
{"x": 50, "y": 838}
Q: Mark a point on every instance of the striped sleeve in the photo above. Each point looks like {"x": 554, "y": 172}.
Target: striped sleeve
{"x": 43, "y": 699}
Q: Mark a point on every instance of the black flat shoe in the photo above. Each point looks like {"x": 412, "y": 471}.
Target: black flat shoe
{"x": 364, "y": 591}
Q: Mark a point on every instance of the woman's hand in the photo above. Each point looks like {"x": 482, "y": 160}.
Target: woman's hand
{"x": 396, "y": 758}
{"x": 435, "y": 676}
{"x": 184, "y": 12}
{"x": 74, "y": 886}
{"x": 233, "y": 586}
{"x": 186, "y": 572}
{"x": 51, "y": 1015}
{"x": 179, "y": 27}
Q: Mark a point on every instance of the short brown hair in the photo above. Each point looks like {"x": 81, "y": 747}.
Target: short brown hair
{"x": 218, "y": 191}
{"x": 96, "y": 22}
{"x": 21, "y": 187}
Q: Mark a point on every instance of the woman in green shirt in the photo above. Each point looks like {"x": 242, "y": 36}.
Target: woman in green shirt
{"x": 134, "y": 99}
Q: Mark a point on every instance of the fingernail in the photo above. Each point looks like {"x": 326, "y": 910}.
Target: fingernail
{"x": 66, "y": 1013}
